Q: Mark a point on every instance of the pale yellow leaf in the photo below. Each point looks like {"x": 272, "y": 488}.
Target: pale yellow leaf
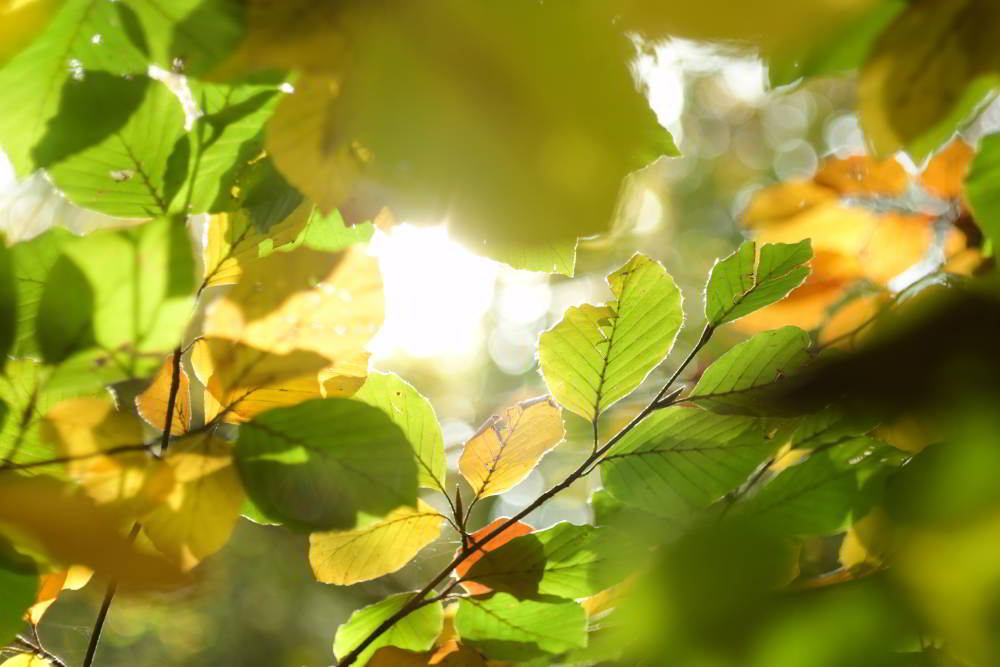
{"x": 26, "y": 660}
{"x": 510, "y": 445}
{"x": 346, "y": 557}
{"x": 198, "y": 516}
{"x": 152, "y": 403}
{"x": 73, "y": 579}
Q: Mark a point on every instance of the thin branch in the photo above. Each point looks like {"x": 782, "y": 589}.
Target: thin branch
{"x": 26, "y": 645}
{"x": 113, "y": 451}
{"x": 419, "y": 599}
{"x": 175, "y": 385}
{"x": 102, "y": 614}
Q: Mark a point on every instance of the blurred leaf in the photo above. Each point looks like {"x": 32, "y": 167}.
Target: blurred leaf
{"x": 945, "y": 172}
{"x": 53, "y": 584}
{"x": 19, "y": 583}
{"x": 505, "y": 628}
{"x": 8, "y": 304}
{"x": 597, "y": 355}
{"x": 565, "y": 560}
{"x": 415, "y": 632}
{"x": 21, "y": 22}
{"x": 346, "y": 557}
{"x": 415, "y": 416}
{"x": 744, "y": 379}
{"x": 981, "y": 190}
{"x": 552, "y": 257}
{"x": 828, "y": 427}
{"x": 131, "y": 290}
{"x": 516, "y": 529}
{"x": 509, "y": 445}
{"x": 930, "y": 68}
{"x": 862, "y": 175}
{"x": 152, "y": 403}
{"x": 200, "y": 512}
{"x": 743, "y": 282}
{"x": 65, "y": 527}
{"x": 127, "y": 171}
{"x": 326, "y": 464}
{"x": 679, "y": 460}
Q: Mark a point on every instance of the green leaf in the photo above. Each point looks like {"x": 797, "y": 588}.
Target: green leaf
{"x": 505, "y": 628}
{"x": 743, "y": 380}
{"x": 597, "y": 355}
{"x": 227, "y": 136}
{"x": 8, "y": 303}
{"x": 557, "y": 256}
{"x": 680, "y": 460}
{"x": 325, "y": 464}
{"x": 740, "y": 284}
{"x": 19, "y": 584}
{"x": 415, "y": 416}
{"x": 829, "y": 427}
{"x": 566, "y": 561}
{"x": 416, "y": 632}
{"x": 38, "y": 83}
{"x": 127, "y": 172}
{"x": 32, "y": 262}
{"x": 928, "y": 72}
{"x": 981, "y": 190}
{"x": 129, "y": 290}
{"x": 811, "y": 498}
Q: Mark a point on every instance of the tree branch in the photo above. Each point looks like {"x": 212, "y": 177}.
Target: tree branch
{"x": 175, "y": 385}
{"x": 102, "y": 614}
{"x": 419, "y": 599}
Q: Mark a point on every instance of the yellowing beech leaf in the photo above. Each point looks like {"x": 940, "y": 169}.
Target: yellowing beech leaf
{"x": 785, "y": 200}
{"x": 21, "y": 21}
{"x": 232, "y": 242}
{"x": 26, "y": 660}
{"x": 53, "y": 584}
{"x": 152, "y": 403}
{"x": 927, "y": 72}
{"x": 510, "y": 445}
{"x": 199, "y": 514}
{"x": 107, "y": 452}
{"x": 862, "y": 175}
{"x": 51, "y": 518}
{"x": 346, "y": 557}
{"x": 944, "y": 174}
{"x": 516, "y": 529}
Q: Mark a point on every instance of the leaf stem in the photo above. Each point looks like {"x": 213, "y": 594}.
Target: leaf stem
{"x": 419, "y": 599}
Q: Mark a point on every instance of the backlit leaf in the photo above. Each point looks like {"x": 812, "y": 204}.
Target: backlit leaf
{"x": 862, "y": 175}
{"x": 152, "y": 403}
{"x": 743, "y": 379}
{"x": 415, "y": 632}
{"x": 981, "y": 190}
{"x": 928, "y": 71}
{"x": 415, "y": 416}
{"x": 743, "y": 282}
{"x": 516, "y": 529}
{"x": 552, "y": 257}
{"x": 21, "y": 21}
{"x": 680, "y": 460}
{"x": 349, "y": 556}
{"x": 52, "y": 585}
{"x": 509, "y": 445}
{"x": 565, "y": 560}
{"x": 326, "y": 464}
{"x": 505, "y": 628}
{"x": 597, "y": 355}
{"x": 944, "y": 174}
{"x": 198, "y": 515}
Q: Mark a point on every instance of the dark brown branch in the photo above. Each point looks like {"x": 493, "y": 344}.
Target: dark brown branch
{"x": 175, "y": 384}
{"x": 419, "y": 599}
{"x": 102, "y": 614}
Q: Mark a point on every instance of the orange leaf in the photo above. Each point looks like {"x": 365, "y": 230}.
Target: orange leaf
{"x": 945, "y": 173}
{"x": 55, "y": 583}
{"x": 785, "y": 200}
{"x": 516, "y": 529}
{"x": 862, "y": 175}
{"x": 152, "y": 403}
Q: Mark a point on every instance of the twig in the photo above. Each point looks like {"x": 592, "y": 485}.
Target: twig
{"x": 102, "y": 614}
{"x": 175, "y": 384}
{"x": 35, "y": 647}
{"x": 419, "y": 599}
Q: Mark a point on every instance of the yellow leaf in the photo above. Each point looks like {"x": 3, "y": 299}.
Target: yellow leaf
{"x": 232, "y": 243}
{"x": 26, "y": 660}
{"x": 868, "y": 541}
{"x": 862, "y": 175}
{"x": 516, "y": 529}
{"x": 107, "y": 453}
{"x": 785, "y": 200}
{"x": 21, "y": 21}
{"x": 198, "y": 516}
{"x": 65, "y": 527}
{"x": 73, "y": 579}
{"x": 152, "y": 403}
{"x": 346, "y": 557}
{"x": 510, "y": 445}
{"x": 945, "y": 173}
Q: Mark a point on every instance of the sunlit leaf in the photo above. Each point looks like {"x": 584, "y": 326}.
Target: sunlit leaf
{"x": 415, "y": 416}
{"x": 744, "y": 282}
{"x": 981, "y": 190}
{"x": 551, "y": 257}
{"x": 26, "y": 660}
{"x": 415, "y": 632}
{"x": 505, "y": 628}
{"x": 741, "y": 381}
{"x": 21, "y": 22}
{"x": 32, "y": 260}
{"x": 198, "y": 515}
{"x": 862, "y": 175}
{"x": 349, "y": 556}
{"x": 565, "y": 560}
{"x": 326, "y": 464}
{"x": 152, "y": 403}
{"x": 130, "y": 290}
{"x": 927, "y": 72}
{"x": 509, "y": 445}
{"x": 944, "y": 174}
{"x": 679, "y": 460}
{"x": 8, "y": 305}
{"x": 51, "y": 585}
{"x": 597, "y": 355}
{"x": 516, "y": 529}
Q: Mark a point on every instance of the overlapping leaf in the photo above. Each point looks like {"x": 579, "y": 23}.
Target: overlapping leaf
{"x": 153, "y": 403}
{"x": 506, "y": 628}
{"x": 516, "y": 529}
{"x": 981, "y": 190}
{"x": 415, "y": 632}
{"x": 679, "y": 460}
{"x": 597, "y": 355}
